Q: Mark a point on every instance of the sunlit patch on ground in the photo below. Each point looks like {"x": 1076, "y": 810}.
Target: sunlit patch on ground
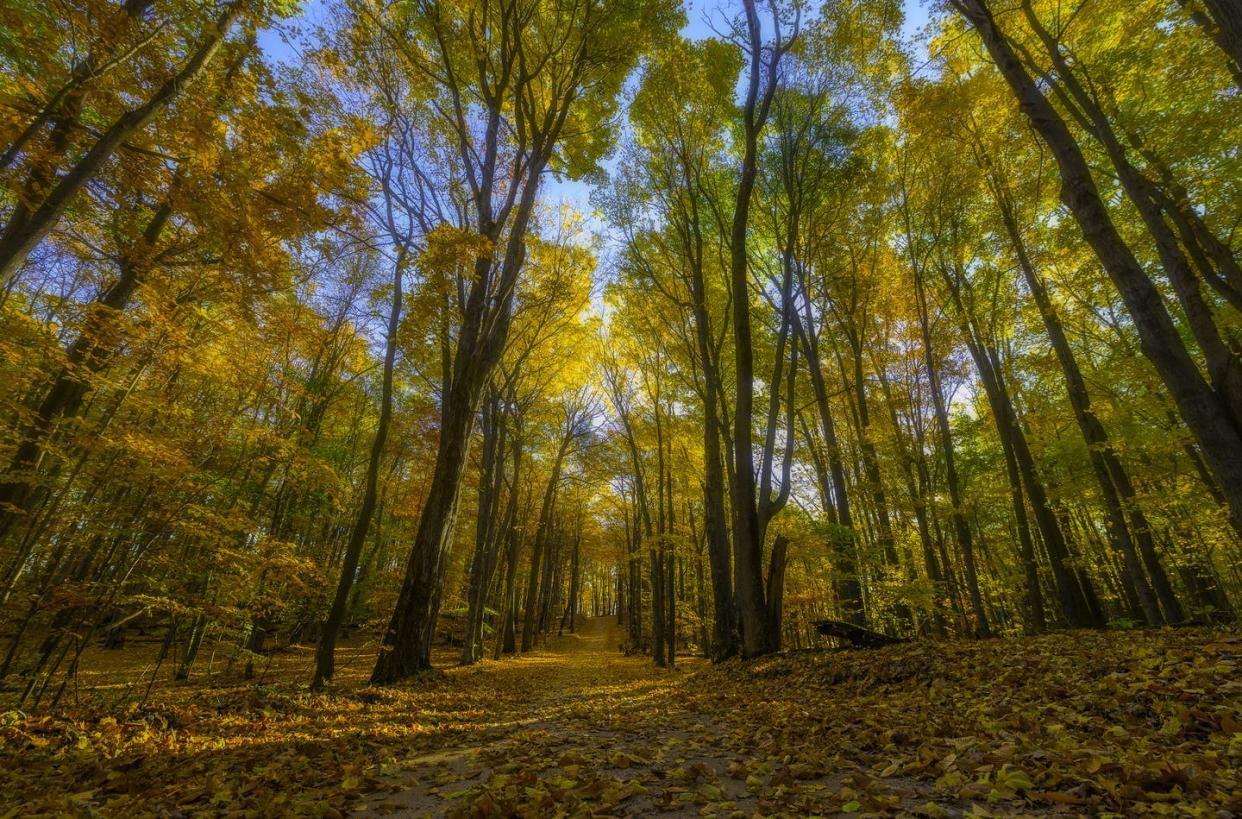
{"x": 1059, "y": 725}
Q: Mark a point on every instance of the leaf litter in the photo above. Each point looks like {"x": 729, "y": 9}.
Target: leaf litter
{"x": 1085, "y": 723}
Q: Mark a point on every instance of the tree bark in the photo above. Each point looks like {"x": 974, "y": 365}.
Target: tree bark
{"x": 406, "y": 647}
{"x": 325, "y": 655}
{"x": 716, "y": 526}
{"x": 1223, "y": 364}
{"x": 1205, "y": 412}
{"x": 1223, "y": 23}
{"x": 544, "y": 533}
{"x": 747, "y": 526}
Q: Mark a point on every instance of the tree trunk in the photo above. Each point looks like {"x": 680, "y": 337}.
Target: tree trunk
{"x": 1223, "y": 365}
{"x": 1223, "y": 23}
{"x": 845, "y": 577}
{"x": 716, "y": 527}
{"x": 961, "y": 527}
{"x": 776, "y": 589}
{"x": 1088, "y": 424}
{"x": 543, "y": 533}
{"x": 87, "y": 356}
{"x": 670, "y": 641}
{"x": 488, "y": 525}
{"x": 1206, "y": 413}
{"x": 63, "y": 106}
{"x": 747, "y": 526}
{"x": 325, "y": 655}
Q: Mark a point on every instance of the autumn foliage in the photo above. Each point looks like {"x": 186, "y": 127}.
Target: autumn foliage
{"x": 346, "y": 341}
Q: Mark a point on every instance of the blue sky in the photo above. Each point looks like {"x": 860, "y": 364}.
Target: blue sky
{"x": 701, "y": 16}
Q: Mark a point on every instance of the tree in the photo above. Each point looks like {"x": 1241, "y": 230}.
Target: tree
{"x": 752, "y": 505}
{"x": 546, "y": 69}
{"x": 40, "y": 203}
{"x": 1210, "y": 411}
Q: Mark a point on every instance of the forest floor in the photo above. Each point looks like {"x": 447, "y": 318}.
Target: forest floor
{"x": 1099, "y": 723}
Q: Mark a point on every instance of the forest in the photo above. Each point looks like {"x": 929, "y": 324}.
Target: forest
{"x": 620, "y": 407}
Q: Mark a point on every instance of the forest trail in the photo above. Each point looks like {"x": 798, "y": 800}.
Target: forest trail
{"x": 1060, "y": 725}
{"x": 585, "y": 723}
{"x": 587, "y": 730}
{"x": 925, "y": 729}
{"x": 335, "y": 332}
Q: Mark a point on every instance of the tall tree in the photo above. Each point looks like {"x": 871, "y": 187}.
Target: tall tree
{"x": 1210, "y": 413}
{"x": 510, "y": 77}
{"x": 749, "y": 507}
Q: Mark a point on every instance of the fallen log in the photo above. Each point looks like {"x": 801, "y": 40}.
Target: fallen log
{"x": 857, "y": 636}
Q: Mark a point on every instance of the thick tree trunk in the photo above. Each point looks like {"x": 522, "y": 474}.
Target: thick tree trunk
{"x": 1223, "y": 23}
{"x": 747, "y": 524}
{"x": 406, "y": 647}
{"x": 716, "y": 526}
{"x": 776, "y": 589}
{"x": 658, "y": 608}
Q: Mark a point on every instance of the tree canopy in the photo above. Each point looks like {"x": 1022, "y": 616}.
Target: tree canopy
{"x": 450, "y": 323}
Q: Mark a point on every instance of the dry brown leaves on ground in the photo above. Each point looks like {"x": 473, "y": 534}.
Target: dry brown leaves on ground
{"x": 1066, "y": 724}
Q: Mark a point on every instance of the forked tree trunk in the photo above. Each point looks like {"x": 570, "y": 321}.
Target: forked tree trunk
{"x": 747, "y": 523}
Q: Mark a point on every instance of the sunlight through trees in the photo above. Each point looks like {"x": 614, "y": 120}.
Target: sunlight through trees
{"x": 934, "y": 340}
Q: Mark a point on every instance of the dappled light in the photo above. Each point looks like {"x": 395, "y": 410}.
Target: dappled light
{"x": 572, "y": 408}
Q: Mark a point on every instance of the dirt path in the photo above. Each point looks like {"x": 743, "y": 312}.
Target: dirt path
{"x": 580, "y": 727}
{"x": 1061, "y": 725}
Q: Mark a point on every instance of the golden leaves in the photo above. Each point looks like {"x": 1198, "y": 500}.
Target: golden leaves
{"x": 1101, "y": 722}
{"x": 449, "y": 256}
